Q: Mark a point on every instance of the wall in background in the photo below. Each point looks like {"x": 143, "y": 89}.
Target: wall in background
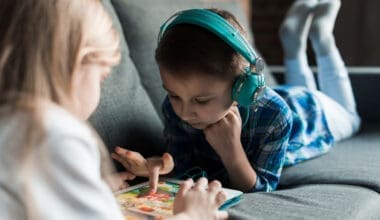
{"x": 357, "y": 30}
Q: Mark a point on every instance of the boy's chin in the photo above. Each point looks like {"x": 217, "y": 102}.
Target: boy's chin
{"x": 199, "y": 126}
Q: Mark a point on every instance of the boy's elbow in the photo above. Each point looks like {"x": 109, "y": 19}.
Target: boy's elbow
{"x": 264, "y": 184}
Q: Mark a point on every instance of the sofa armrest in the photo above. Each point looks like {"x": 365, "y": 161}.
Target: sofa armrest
{"x": 364, "y": 80}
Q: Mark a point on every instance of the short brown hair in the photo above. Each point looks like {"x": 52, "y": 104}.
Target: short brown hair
{"x": 185, "y": 48}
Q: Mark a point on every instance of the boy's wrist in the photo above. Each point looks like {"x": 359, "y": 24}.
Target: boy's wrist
{"x": 235, "y": 151}
{"x": 240, "y": 172}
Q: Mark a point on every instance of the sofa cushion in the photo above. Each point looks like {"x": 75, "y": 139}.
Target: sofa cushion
{"x": 141, "y": 20}
{"x": 354, "y": 162}
{"x": 319, "y": 201}
{"x": 125, "y": 115}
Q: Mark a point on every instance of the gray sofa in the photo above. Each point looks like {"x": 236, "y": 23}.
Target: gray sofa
{"x": 343, "y": 184}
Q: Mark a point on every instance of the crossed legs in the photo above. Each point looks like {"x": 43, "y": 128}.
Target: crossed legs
{"x": 316, "y": 19}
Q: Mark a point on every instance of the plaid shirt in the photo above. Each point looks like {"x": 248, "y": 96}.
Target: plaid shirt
{"x": 285, "y": 127}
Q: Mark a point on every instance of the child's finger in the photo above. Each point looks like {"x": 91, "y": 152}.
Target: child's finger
{"x": 116, "y": 157}
{"x": 214, "y": 187}
{"x": 229, "y": 117}
{"x": 185, "y": 187}
{"x": 220, "y": 198}
{"x": 167, "y": 164}
{"x": 235, "y": 111}
{"x": 153, "y": 178}
{"x": 126, "y": 176}
{"x": 125, "y": 152}
{"x": 221, "y": 215}
{"x": 123, "y": 185}
{"x": 121, "y": 160}
{"x": 119, "y": 150}
{"x": 130, "y": 155}
{"x": 201, "y": 184}
{"x": 122, "y": 152}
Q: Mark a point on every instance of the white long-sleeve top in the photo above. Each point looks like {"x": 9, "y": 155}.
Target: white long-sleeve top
{"x": 62, "y": 179}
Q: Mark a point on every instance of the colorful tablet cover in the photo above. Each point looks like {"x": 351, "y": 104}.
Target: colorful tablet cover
{"x": 138, "y": 203}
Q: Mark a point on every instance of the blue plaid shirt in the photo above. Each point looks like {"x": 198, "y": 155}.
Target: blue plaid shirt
{"x": 285, "y": 127}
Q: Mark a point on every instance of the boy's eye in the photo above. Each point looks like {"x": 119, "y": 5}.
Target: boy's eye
{"x": 202, "y": 101}
{"x": 173, "y": 96}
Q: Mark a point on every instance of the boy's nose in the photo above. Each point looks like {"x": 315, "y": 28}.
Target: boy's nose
{"x": 187, "y": 114}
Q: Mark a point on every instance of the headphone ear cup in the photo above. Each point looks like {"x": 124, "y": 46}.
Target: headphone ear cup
{"x": 245, "y": 87}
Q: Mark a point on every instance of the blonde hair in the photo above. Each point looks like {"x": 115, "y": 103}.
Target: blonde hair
{"x": 42, "y": 42}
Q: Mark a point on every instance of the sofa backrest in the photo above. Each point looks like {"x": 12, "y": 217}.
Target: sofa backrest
{"x": 125, "y": 115}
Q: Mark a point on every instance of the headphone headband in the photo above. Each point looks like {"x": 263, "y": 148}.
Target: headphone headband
{"x": 216, "y": 24}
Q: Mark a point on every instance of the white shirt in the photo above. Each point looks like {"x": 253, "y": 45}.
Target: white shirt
{"x": 63, "y": 179}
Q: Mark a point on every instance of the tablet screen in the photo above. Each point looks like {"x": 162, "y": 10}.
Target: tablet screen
{"x": 139, "y": 199}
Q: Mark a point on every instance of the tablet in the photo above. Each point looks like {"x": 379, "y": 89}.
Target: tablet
{"x": 137, "y": 199}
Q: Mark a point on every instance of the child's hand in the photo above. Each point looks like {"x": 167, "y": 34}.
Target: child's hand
{"x": 199, "y": 200}
{"x": 151, "y": 167}
{"x": 224, "y": 135}
{"x": 116, "y": 181}
{"x": 158, "y": 165}
{"x": 133, "y": 161}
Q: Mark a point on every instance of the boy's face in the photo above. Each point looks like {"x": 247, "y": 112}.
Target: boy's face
{"x": 199, "y": 100}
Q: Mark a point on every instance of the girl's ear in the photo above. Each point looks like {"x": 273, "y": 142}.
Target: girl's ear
{"x": 79, "y": 64}
{"x": 77, "y": 71}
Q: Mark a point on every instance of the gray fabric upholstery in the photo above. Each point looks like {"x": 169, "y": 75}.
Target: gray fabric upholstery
{"x": 319, "y": 201}
{"x": 355, "y": 161}
{"x": 343, "y": 184}
{"x": 125, "y": 115}
{"x": 141, "y": 20}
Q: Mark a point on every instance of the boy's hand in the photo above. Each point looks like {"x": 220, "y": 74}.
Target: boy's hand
{"x": 224, "y": 135}
{"x": 133, "y": 161}
{"x": 151, "y": 167}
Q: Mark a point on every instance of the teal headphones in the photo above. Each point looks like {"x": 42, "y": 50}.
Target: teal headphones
{"x": 250, "y": 83}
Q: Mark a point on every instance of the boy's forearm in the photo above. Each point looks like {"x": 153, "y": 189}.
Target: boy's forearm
{"x": 241, "y": 174}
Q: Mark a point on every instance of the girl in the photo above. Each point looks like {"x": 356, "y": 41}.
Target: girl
{"x": 53, "y": 56}
{"x": 287, "y": 125}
